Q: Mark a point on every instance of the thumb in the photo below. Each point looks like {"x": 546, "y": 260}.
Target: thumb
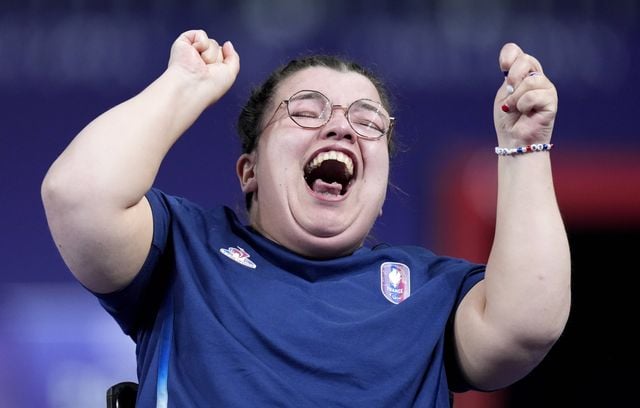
{"x": 230, "y": 57}
{"x": 508, "y": 55}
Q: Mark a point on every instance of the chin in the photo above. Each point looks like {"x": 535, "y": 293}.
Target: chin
{"x": 316, "y": 229}
{"x": 325, "y": 248}
{"x": 322, "y": 240}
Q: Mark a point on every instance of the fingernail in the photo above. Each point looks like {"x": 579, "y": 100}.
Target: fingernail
{"x": 509, "y": 89}
{"x": 505, "y": 108}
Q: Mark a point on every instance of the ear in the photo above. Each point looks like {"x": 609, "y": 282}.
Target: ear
{"x": 246, "y": 171}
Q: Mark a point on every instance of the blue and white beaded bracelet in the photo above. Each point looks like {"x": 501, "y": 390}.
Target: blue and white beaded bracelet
{"x": 540, "y": 147}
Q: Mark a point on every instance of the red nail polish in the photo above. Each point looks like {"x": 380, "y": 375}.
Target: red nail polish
{"x": 505, "y": 108}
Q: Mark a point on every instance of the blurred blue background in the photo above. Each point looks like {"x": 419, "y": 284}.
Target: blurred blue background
{"x": 62, "y": 63}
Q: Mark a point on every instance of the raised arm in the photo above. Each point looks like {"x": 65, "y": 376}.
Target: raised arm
{"x": 506, "y": 324}
{"x": 93, "y": 193}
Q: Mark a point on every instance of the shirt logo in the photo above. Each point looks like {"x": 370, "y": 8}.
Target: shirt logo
{"x": 395, "y": 281}
{"x": 239, "y": 255}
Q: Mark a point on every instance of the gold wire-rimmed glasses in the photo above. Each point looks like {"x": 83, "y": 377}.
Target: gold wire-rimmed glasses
{"x": 312, "y": 109}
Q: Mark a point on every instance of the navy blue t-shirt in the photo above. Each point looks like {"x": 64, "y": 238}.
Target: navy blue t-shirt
{"x": 223, "y": 317}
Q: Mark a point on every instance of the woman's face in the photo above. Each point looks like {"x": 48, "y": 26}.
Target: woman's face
{"x": 317, "y": 191}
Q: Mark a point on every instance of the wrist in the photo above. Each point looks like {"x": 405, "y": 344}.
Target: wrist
{"x": 532, "y": 148}
{"x": 187, "y": 89}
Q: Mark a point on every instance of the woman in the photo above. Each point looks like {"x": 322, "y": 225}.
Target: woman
{"x": 293, "y": 310}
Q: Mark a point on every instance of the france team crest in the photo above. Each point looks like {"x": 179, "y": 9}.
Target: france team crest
{"x": 395, "y": 281}
{"x": 239, "y": 255}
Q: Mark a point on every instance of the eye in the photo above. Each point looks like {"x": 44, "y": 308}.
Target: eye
{"x": 304, "y": 114}
{"x": 307, "y": 106}
{"x": 367, "y": 116}
{"x": 370, "y": 122}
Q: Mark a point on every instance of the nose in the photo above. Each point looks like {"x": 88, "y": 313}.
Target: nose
{"x": 338, "y": 126}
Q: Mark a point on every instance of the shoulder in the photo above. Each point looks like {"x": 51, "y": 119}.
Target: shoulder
{"x": 418, "y": 255}
{"x": 428, "y": 263}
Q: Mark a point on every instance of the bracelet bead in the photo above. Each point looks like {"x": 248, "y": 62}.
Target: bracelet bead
{"x": 538, "y": 147}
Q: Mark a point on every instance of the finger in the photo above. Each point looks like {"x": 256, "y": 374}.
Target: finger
{"x": 202, "y": 46}
{"x": 193, "y": 37}
{"x": 533, "y": 80}
{"x": 199, "y": 40}
{"x": 520, "y": 69}
{"x": 508, "y": 55}
{"x": 211, "y": 53}
{"x": 201, "y": 37}
{"x": 220, "y": 55}
{"x": 522, "y": 66}
{"x": 538, "y": 100}
{"x": 230, "y": 56}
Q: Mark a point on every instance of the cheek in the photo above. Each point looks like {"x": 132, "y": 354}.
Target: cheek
{"x": 376, "y": 161}
{"x": 279, "y": 161}
{"x": 379, "y": 171}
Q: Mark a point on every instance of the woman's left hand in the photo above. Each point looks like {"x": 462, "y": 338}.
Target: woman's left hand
{"x": 525, "y": 106}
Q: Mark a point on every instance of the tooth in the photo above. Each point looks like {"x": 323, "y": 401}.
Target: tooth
{"x": 332, "y": 155}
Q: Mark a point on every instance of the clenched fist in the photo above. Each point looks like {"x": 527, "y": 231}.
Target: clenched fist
{"x": 203, "y": 60}
{"x": 526, "y": 104}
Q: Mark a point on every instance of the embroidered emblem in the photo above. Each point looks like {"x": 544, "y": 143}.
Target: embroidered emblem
{"x": 395, "y": 281}
{"x": 239, "y": 255}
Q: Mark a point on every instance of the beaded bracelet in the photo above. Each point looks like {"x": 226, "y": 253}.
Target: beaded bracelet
{"x": 540, "y": 147}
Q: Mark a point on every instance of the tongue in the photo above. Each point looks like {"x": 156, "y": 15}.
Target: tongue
{"x": 320, "y": 186}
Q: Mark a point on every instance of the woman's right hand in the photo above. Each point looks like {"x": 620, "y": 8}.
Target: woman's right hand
{"x": 202, "y": 59}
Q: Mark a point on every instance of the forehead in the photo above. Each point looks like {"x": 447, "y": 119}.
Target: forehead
{"x": 340, "y": 87}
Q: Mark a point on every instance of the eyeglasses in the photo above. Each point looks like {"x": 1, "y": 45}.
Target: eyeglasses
{"x": 312, "y": 110}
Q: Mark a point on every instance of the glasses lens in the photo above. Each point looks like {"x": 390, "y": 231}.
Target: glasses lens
{"x": 309, "y": 109}
{"x": 368, "y": 118}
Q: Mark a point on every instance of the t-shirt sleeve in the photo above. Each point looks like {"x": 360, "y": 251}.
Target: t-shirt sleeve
{"x": 134, "y": 304}
{"x": 457, "y": 383}
{"x": 474, "y": 275}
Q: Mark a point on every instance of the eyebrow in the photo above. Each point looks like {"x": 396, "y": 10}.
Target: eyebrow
{"x": 369, "y": 104}
{"x": 311, "y": 96}
{"x": 372, "y": 105}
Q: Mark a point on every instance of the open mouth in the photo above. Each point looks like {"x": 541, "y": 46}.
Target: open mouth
{"x": 329, "y": 173}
